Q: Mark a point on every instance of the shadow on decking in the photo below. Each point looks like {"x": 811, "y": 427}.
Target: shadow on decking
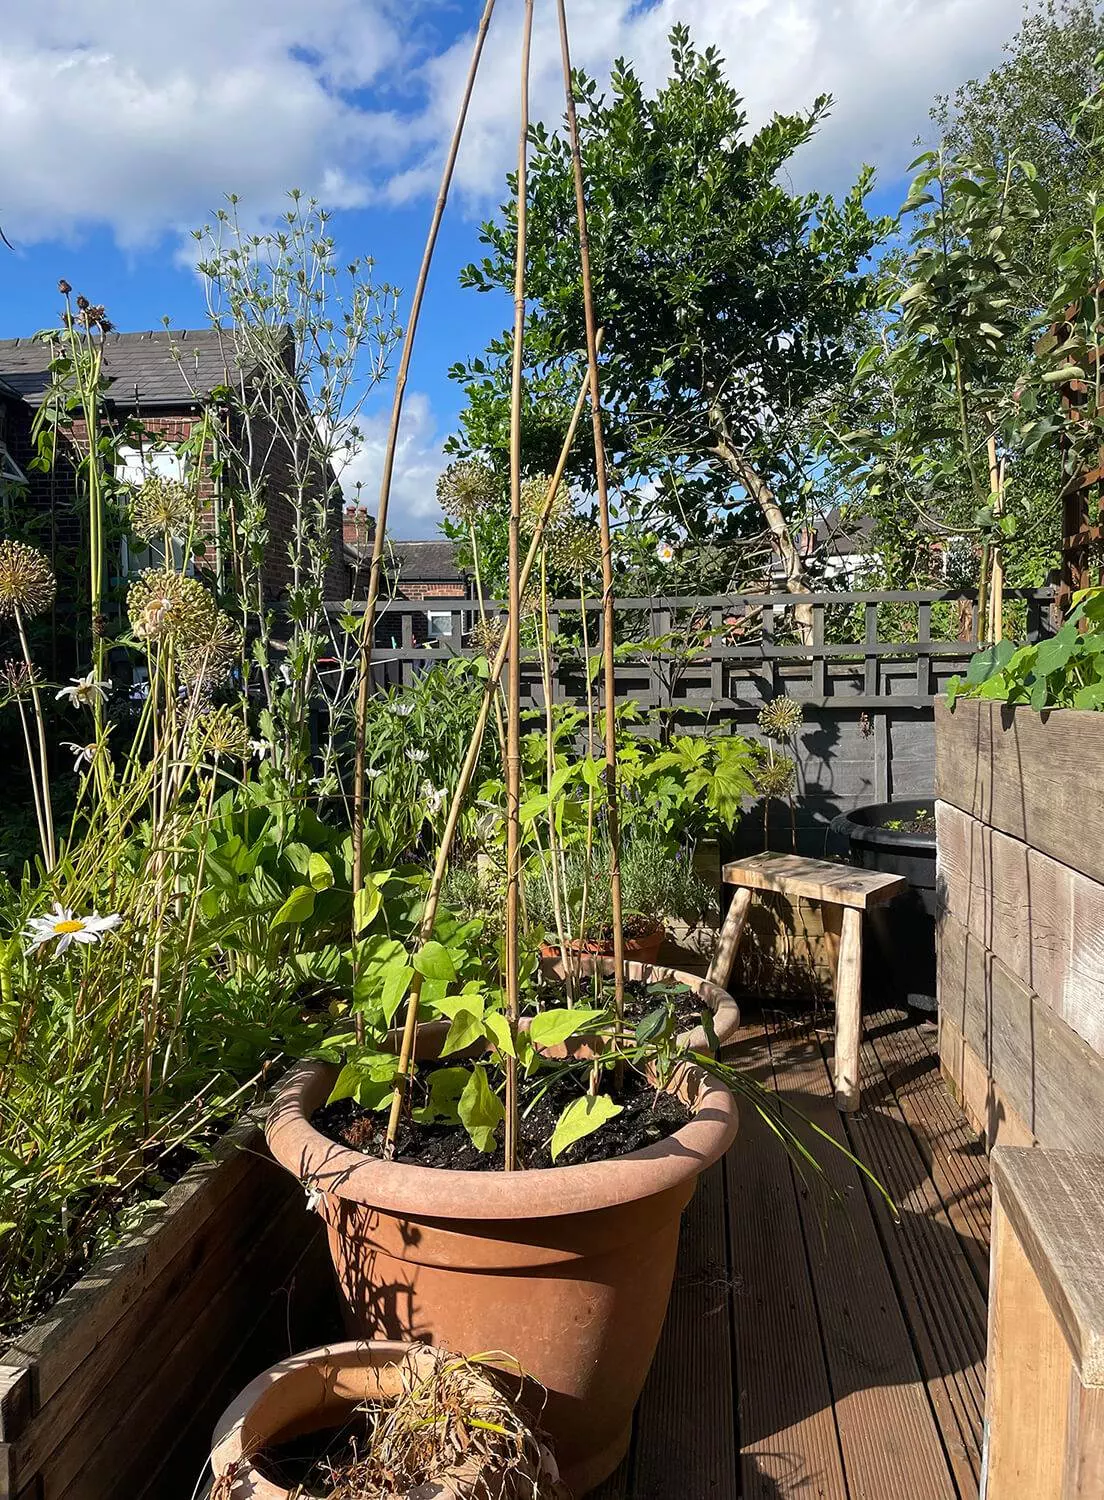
{"x": 814, "y": 1349}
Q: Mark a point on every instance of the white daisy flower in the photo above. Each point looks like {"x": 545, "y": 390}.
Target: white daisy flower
{"x": 67, "y": 928}
{"x": 84, "y": 691}
{"x": 260, "y": 749}
{"x": 665, "y": 552}
{"x": 404, "y": 710}
{"x": 372, "y": 772}
{"x": 82, "y": 754}
{"x": 434, "y": 798}
{"x": 418, "y": 757}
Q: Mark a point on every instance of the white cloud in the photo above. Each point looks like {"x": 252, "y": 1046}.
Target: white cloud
{"x": 883, "y": 60}
{"x": 142, "y": 116}
{"x": 419, "y": 459}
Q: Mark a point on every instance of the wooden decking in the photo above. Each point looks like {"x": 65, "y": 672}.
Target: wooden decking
{"x": 819, "y": 1351}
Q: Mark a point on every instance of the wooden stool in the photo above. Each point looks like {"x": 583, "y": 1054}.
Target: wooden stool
{"x": 843, "y": 893}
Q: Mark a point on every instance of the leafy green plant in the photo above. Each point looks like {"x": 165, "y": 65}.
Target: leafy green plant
{"x": 1066, "y": 671}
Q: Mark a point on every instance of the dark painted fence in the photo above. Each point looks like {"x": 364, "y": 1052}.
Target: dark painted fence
{"x": 867, "y": 681}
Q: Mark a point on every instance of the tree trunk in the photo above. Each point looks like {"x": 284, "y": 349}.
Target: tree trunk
{"x": 797, "y": 581}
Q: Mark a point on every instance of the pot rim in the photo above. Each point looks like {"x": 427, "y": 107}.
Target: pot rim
{"x": 416, "y": 1192}
{"x": 228, "y": 1448}
{"x": 725, "y": 1010}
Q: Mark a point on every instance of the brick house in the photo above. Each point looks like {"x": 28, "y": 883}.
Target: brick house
{"x": 162, "y": 382}
{"x": 415, "y": 570}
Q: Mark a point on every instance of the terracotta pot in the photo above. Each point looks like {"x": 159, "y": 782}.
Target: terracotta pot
{"x": 567, "y": 1269}
{"x": 312, "y": 1392}
{"x": 644, "y": 949}
{"x": 726, "y": 1013}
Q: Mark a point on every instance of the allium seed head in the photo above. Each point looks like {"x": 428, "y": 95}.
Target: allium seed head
{"x": 162, "y": 507}
{"x": 781, "y": 718}
{"x": 164, "y": 605}
{"x": 220, "y": 732}
{"x": 468, "y": 489}
{"x": 27, "y": 582}
{"x": 534, "y": 497}
{"x": 777, "y": 778}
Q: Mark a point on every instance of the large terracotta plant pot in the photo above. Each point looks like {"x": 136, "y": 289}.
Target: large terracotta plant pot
{"x": 644, "y": 948}
{"x": 568, "y": 1270}
{"x": 312, "y": 1393}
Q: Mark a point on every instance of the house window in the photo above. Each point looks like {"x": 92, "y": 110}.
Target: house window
{"x": 438, "y": 625}
{"x": 135, "y": 465}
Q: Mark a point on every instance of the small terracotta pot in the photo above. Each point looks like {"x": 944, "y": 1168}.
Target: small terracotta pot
{"x": 726, "y": 1013}
{"x": 311, "y": 1392}
{"x": 567, "y": 1269}
{"x": 644, "y": 949}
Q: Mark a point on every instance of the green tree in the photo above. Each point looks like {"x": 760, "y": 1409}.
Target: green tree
{"x": 1026, "y": 109}
{"x": 728, "y": 303}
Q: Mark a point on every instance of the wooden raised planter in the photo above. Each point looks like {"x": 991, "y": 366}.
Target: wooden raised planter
{"x": 1021, "y": 921}
{"x": 115, "y": 1391}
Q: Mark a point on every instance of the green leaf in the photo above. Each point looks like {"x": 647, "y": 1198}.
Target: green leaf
{"x": 500, "y": 1032}
{"x": 987, "y": 663}
{"x": 297, "y": 908}
{"x": 551, "y": 1028}
{"x": 346, "y": 1085}
{"x": 480, "y": 1110}
{"x": 396, "y": 982}
{"x": 433, "y": 960}
{"x": 366, "y": 904}
{"x": 581, "y": 1118}
{"x": 446, "y": 1085}
{"x": 319, "y": 872}
{"x": 466, "y": 1030}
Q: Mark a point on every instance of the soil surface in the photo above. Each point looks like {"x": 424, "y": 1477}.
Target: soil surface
{"x": 641, "y": 999}
{"x": 644, "y": 1119}
{"x": 306, "y": 1465}
{"x": 923, "y": 823}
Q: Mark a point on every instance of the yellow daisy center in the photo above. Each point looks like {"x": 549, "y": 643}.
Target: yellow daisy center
{"x": 70, "y": 926}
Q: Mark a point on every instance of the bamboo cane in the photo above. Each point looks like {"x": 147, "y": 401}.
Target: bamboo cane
{"x": 367, "y": 632}
{"x": 604, "y": 526}
{"x": 513, "y": 699}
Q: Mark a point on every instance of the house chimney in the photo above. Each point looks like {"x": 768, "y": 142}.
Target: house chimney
{"x": 357, "y": 525}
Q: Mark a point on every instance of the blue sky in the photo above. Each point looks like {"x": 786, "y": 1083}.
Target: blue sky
{"x": 125, "y": 122}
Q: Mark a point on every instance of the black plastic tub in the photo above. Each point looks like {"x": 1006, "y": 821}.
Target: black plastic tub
{"x": 899, "y": 954}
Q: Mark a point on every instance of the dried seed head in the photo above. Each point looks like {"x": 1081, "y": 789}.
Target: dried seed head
{"x": 17, "y": 679}
{"x": 220, "y": 732}
{"x": 468, "y": 489}
{"x": 64, "y": 288}
{"x": 781, "y": 718}
{"x": 534, "y": 497}
{"x": 207, "y": 662}
{"x": 162, "y": 507}
{"x": 164, "y": 605}
{"x": 27, "y": 582}
{"x": 575, "y": 547}
{"x": 486, "y": 635}
{"x": 777, "y": 778}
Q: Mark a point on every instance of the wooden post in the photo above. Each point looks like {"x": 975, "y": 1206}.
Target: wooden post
{"x": 849, "y": 1009}
{"x": 1044, "y": 1400}
{"x": 720, "y": 969}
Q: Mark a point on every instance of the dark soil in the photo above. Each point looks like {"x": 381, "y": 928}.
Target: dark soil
{"x": 644, "y": 1119}
{"x": 925, "y": 823}
{"x": 641, "y": 999}
{"x": 304, "y": 1464}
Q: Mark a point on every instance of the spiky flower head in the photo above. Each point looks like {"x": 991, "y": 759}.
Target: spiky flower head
{"x": 468, "y": 489}
{"x": 207, "y": 662}
{"x": 778, "y": 777}
{"x": 17, "y": 678}
{"x": 781, "y": 718}
{"x": 164, "y": 605}
{"x": 486, "y": 635}
{"x": 162, "y": 507}
{"x": 27, "y": 582}
{"x": 575, "y": 547}
{"x": 220, "y": 732}
{"x": 534, "y": 497}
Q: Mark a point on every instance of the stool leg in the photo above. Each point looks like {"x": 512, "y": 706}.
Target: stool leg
{"x": 720, "y": 969}
{"x": 849, "y": 1009}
